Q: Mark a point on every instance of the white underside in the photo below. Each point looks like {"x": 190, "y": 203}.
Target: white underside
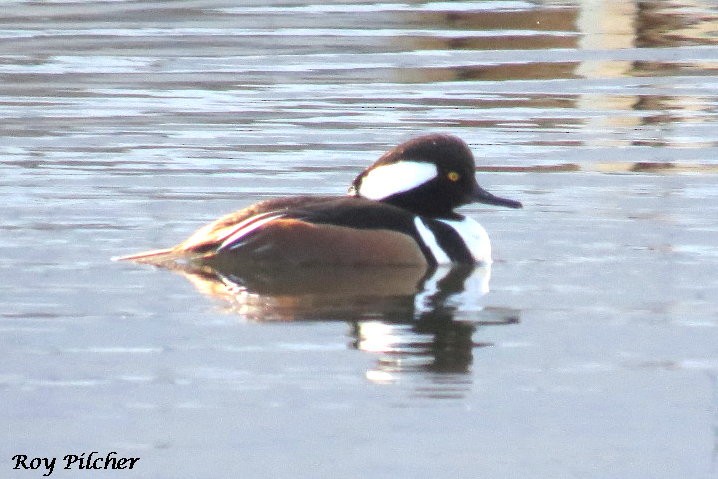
{"x": 474, "y": 235}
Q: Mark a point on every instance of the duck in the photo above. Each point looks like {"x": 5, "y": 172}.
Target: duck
{"x": 400, "y": 211}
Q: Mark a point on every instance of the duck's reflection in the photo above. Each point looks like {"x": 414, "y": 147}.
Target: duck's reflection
{"x": 414, "y": 320}
{"x": 438, "y": 335}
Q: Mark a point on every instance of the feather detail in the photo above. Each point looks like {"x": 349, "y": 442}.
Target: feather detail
{"x": 157, "y": 257}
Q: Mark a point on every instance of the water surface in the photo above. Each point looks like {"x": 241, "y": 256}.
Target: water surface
{"x": 588, "y": 350}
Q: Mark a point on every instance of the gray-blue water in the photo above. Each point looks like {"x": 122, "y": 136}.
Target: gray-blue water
{"x": 126, "y": 125}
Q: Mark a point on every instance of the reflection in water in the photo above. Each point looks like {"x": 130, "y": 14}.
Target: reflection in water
{"x": 414, "y": 320}
{"x": 600, "y": 40}
{"x": 676, "y": 23}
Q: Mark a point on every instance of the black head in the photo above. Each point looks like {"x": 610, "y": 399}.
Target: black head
{"x": 429, "y": 175}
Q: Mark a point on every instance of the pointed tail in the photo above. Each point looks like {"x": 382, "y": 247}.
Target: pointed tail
{"x": 156, "y": 257}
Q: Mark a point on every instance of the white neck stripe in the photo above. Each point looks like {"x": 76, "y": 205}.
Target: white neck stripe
{"x": 386, "y": 180}
{"x": 430, "y": 241}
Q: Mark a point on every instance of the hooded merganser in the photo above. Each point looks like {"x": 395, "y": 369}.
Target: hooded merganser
{"x": 399, "y": 211}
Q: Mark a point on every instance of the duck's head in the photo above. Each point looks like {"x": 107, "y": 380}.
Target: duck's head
{"x": 429, "y": 176}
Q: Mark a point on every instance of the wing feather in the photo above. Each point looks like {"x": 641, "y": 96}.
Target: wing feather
{"x": 300, "y": 230}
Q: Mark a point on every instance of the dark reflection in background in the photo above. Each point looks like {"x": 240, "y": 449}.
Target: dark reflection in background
{"x": 602, "y": 31}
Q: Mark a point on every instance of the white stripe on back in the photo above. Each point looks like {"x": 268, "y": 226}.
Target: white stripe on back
{"x": 247, "y": 226}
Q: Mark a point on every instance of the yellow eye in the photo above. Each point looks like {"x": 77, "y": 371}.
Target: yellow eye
{"x": 453, "y": 176}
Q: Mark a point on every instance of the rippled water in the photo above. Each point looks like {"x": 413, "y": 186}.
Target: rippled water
{"x": 126, "y": 125}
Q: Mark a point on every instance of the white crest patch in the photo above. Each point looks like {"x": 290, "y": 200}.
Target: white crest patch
{"x": 386, "y": 180}
{"x": 475, "y": 237}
